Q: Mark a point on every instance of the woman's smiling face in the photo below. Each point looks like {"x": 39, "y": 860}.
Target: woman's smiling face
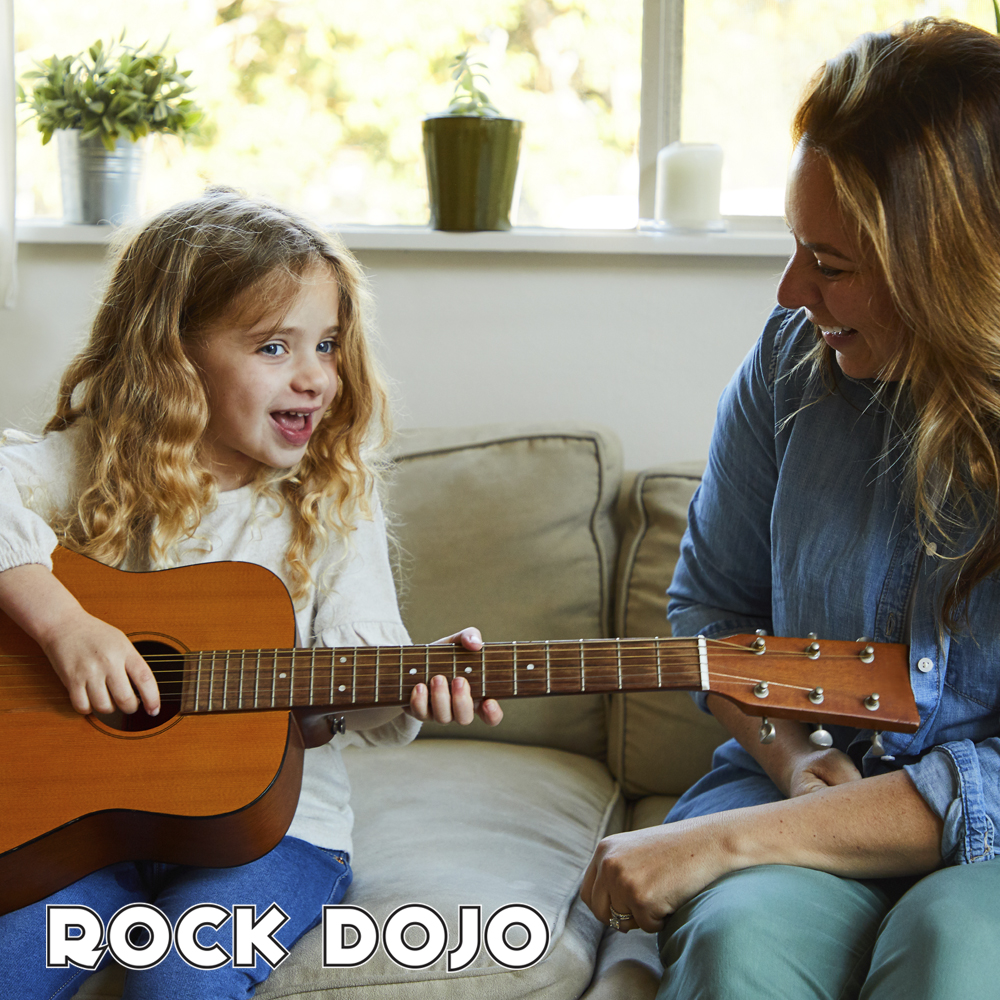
{"x": 841, "y": 289}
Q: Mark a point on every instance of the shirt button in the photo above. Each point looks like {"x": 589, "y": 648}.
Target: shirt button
{"x": 931, "y": 549}
{"x": 925, "y": 664}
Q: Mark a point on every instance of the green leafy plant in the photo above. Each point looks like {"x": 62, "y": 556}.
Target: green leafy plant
{"x": 120, "y": 90}
{"x": 469, "y": 99}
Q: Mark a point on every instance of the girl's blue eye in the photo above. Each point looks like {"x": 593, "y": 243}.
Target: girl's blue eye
{"x": 327, "y": 347}
{"x": 273, "y": 350}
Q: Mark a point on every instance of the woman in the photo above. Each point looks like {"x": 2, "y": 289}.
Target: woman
{"x": 852, "y": 490}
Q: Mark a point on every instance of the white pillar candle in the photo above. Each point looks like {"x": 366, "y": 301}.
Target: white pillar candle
{"x": 688, "y": 186}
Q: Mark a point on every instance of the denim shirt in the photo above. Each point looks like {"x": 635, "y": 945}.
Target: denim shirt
{"x": 804, "y": 523}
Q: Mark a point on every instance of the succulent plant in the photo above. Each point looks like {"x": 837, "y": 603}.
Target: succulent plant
{"x": 468, "y": 98}
{"x": 113, "y": 91}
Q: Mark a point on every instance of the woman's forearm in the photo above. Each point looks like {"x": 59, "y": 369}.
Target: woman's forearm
{"x": 880, "y": 826}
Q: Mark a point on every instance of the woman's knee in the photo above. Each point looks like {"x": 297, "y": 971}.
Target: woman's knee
{"x": 774, "y": 931}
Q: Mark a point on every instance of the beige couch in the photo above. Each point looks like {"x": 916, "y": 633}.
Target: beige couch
{"x": 529, "y": 533}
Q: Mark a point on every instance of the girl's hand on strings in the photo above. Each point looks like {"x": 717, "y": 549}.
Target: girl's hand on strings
{"x": 453, "y": 702}
{"x": 100, "y": 668}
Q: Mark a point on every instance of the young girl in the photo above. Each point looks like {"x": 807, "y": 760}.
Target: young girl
{"x": 225, "y": 408}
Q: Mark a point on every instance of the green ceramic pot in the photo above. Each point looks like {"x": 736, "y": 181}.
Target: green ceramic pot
{"x": 471, "y": 169}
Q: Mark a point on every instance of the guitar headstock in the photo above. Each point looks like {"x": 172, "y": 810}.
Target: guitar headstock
{"x": 860, "y": 684}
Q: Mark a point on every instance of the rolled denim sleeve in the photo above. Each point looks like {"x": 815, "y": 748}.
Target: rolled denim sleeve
{"x": 960, "y": 781}
{"x": 722, "y": 583}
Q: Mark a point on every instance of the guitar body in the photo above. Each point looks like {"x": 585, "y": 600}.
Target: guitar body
{"x": 210, "y": 789}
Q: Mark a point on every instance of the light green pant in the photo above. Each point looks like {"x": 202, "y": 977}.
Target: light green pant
{"x": 781, "y": 933}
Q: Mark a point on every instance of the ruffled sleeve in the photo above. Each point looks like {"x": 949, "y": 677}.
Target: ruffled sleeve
{"x": 357, "y": 606}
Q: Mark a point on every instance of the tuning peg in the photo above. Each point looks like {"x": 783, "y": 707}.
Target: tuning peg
{"x": 821, "y": 737}
{"x": 767, "y": 731}
{"x": 877, "y": 747}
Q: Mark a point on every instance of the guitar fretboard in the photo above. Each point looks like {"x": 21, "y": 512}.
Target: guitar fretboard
{"x": 364, "y": 676}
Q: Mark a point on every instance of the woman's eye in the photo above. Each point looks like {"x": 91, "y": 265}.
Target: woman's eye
{"x": 273, "y": 350}
{"x": 327, "y": 346}
{"x": 828, "y": 272}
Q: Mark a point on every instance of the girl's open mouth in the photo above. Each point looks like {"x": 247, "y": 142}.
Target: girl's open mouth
{"x": 295, "y": 426}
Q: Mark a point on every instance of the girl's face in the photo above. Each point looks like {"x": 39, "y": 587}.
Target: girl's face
{"x": 842, "y": 292}
{"x": 268, "y": 386}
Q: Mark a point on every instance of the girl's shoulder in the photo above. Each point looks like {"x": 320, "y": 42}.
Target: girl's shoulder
{"x": 51, "y": 463}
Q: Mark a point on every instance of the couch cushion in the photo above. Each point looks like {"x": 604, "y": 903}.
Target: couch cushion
{"x": 487, "y": 825}
{"x": 510, "y": 529}
{"x": 658, "y": 743}
{"x": 450, "y": 825}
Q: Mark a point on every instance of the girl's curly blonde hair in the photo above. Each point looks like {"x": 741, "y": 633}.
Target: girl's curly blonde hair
{"x": 142, "y": 407}
{"x": 909, "y": 123}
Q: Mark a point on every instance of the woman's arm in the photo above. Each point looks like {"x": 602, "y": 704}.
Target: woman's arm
{"x": 790, "y": 761}
{"x": 860, "y": 829}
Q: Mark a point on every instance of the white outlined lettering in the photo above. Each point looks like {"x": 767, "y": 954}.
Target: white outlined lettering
{"x": 338, "y": 953}
{"x": 186, "y": 936}
{"x": 470, "y": 929}
{"x": 520, "y": 956}
{"x": 73, "y": 936}
{"x": 253, "y": 936}
{"x": 409, "y": 956}
{"x": 148, "y": 947}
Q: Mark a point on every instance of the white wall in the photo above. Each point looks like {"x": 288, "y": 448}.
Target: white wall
{"x": 642, "y": 344}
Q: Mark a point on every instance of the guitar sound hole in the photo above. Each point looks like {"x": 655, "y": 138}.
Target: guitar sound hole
{"x": 166, "y": 663}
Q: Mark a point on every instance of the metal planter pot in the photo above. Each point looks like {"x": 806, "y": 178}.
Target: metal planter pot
{"x": 99, "y": 185}
{"x": 471, "y": 170}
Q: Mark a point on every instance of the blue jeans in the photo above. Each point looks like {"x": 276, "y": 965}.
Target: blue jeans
{"x": 777, "y": 932}
{"x": 299, "y": 877}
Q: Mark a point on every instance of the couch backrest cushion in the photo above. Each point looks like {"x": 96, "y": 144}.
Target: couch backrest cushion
{"x": 510, "y": 529}
{"x": 658, "y": 743}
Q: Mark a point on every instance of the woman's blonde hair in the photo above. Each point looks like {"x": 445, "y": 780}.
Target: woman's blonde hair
{"x": 909, "y": 123}
{"x": 142, "y": 406}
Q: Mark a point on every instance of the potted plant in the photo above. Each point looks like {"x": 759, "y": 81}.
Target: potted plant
{"x": 472, "y": 155}
{"x": 102, "y": 104}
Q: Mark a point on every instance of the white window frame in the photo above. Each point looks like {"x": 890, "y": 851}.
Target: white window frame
{"x": 660, "y": 100}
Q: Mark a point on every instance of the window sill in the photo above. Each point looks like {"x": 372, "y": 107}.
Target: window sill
{"x": 740, "y": 240}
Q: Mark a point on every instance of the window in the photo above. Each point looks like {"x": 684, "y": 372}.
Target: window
{"x": 318, "y": 103}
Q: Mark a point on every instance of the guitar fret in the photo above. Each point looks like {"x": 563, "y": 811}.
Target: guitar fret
{"x": 333, "y": 656}
{"x": 583, "y": 676}
{"x": 659, "y": 678}
{"x": 291, "y": 680}
{"x": 197, "y": 682}
{"x": 256, "y": 680}
{"x": 454, "y": 661}
{"x": 514, "y": 668}
{"x": 354, "y": 678}
{"x": 312, "y": 674}
{"x": 400, "y": 674}
{"x": 618, "y": 643}
{"x": 243, "y": 655}
{"x": 378, "y": 654}
{"x": 225, "y": 682}
{"x": 427, "y": 666}
{"x": 548, "y": 669}
{"x": 274, "y": 676}
{"x": 482, "y": 667}
{"x": 211, "y": 681}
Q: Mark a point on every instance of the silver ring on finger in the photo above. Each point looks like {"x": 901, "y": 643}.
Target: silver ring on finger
{"x": 617, "y": 919}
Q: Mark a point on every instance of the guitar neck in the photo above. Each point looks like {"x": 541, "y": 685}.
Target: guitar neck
{"x": 852, "y": 683}
{"x": 368, "y": 676}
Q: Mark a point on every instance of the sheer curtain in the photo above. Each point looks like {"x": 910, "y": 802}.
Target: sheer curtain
{"x": 8, "y": 244}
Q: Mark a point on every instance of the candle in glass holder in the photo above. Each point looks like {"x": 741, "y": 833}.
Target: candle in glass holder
{"x": 688, "y": 186}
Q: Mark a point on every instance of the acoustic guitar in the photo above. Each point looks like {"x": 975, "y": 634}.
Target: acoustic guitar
{"x": 214, "y": 779}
